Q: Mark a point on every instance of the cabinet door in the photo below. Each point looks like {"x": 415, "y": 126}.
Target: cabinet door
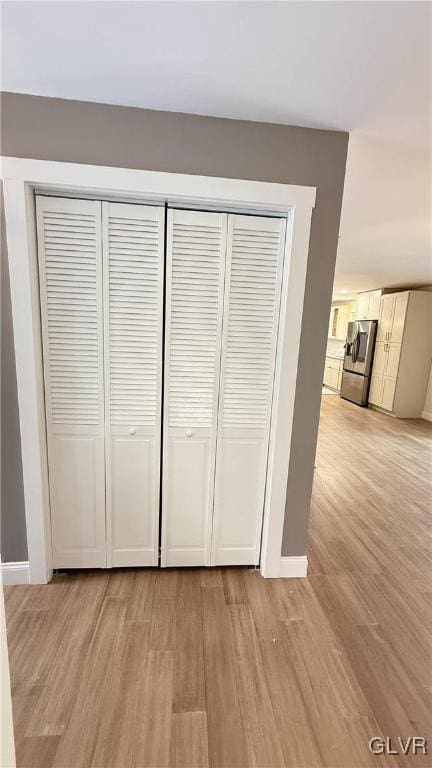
{"x": 329, "y": 333}
{"x": 327, "y": 374}
{"x": 376, "y": 390}
{"x": 251, "y": 312}
{"x": 380, "y": 359}
{"x": 342, "y": 321}
{"x": 392, "y": 360}
{"x": 388, "y": 393}
{"x": 196, "y": 244}
{"x": 362, "y": 306}
{"x": 335, "y": 322}
{"x": 70, "y": 271}
{"x": 374, "y": 305}
{"x": 385, "y": 318}
{"x": 398, "y": 318}
{"x": 133, "y": 256}
{"x": 333, "y": 377}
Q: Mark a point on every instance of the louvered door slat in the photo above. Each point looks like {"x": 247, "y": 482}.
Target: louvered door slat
{"x": 194, "y": 304}
{"x": 251, "y": 311}
{"x": 70, "y": 269}
{"x": 133, "y": 293}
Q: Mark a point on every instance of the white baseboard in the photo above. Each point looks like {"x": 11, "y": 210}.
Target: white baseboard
{"x": 15, "y": 573}
{"x": 293, "y": 567}
{"x": 426, "y": 415}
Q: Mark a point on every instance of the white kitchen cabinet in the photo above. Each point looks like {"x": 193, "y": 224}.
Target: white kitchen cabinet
{"x": 362, "y": 306}
{"x": 340, "y": 315}
{"x": 375, "y": 390}
{"x": 388, "y": 393}
{"x": 386, "y": 359}
{"x": 392, "y": 360}
{"x": 368, "y": 305}
{"x": 391, "y": 318}
{"x": 333, "y": 372}
{"x": 374, "y": 305}
{"x": 402, "y": 353}
{"x": 398, "y": 320}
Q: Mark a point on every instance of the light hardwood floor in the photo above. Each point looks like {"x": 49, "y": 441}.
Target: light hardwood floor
{"x": 188, "y": 668}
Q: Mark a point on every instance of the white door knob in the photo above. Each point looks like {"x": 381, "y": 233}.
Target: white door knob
{"x": 189, "y": 433}
{"x": 132, "y": 430}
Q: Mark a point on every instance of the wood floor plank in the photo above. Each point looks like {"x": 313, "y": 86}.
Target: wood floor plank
{"x": 261, "y": 733}
{"x": 189, "y": 683}
{"x": 211, "y": 577}
{"x": 97, "y": 685}
{"x": 71, "y": 627}
{"x": 299, "y": 742}
{"x": 227, "y": 743}
{"x": 153, "y": 733}
{"x": 233, "y": 586}
{"x": 189, "y": 740}
{"x": 163, "y": 615}
{"x": 137, "y": 587}
{"x": 36, "y": 751}
{"x": 136, "y": 728}
{"x": 116, "y": 736}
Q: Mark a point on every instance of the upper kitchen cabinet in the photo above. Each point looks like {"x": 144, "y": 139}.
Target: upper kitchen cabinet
{"x": 391, "y": 318}
{"x": 340, "y": 316}
{"x": 368, "y": 305}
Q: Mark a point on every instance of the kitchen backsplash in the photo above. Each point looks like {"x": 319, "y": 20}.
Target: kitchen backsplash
{"x": 335, "y": 347}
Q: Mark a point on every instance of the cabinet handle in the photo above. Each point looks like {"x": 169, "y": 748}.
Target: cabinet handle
{"x": 189, "y": 433}
{"x": 132, "y": 430}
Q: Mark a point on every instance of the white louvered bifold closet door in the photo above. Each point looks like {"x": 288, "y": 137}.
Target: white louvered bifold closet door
{"x": 251, "y": 312}
{"x": 196, "y": 244}
{"x": 133, "y": 250}
{"x": 70, "y": 271}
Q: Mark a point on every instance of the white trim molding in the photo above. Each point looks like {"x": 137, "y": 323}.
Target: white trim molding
{"x": 293, "y": 567}
{"x": 15, "y": 573}
{"x": 21, "y": 177}
{"x": 427, "y": 415}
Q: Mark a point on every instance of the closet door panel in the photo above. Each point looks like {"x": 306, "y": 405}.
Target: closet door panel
{"x": 196, "y": 244}
{"x": 75, "y": 496}
{"x": 133, "y": 237}
{"x": 239, "y": 500}
{"x": 70, "y": 272}
{"x": 189, "y": 489}
{"x": 254, "y": 264}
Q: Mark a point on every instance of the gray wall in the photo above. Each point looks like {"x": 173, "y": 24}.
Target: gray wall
{"x": 100, "y": 134}
{"x": 13, "y": 528}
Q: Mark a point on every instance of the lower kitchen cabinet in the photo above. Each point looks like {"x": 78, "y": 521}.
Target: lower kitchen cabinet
{"x": 382, "y": 392}
{"x": 333, "y": 372}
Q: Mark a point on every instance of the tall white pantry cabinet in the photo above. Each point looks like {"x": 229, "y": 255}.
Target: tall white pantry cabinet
{"x": 403, "y": 352}
{"x": 158, "y": 386}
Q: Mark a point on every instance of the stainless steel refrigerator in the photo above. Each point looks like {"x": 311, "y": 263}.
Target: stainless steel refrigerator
{"x": 358, "y": 359}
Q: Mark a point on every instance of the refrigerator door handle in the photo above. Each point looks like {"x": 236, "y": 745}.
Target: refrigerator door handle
{"x": 355, "y": 347}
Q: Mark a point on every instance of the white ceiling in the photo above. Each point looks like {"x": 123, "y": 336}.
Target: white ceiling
{"x": 362, "y": 67}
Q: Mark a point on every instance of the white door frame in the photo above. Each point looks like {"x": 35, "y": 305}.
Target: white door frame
{"x": 21, "y": 177}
